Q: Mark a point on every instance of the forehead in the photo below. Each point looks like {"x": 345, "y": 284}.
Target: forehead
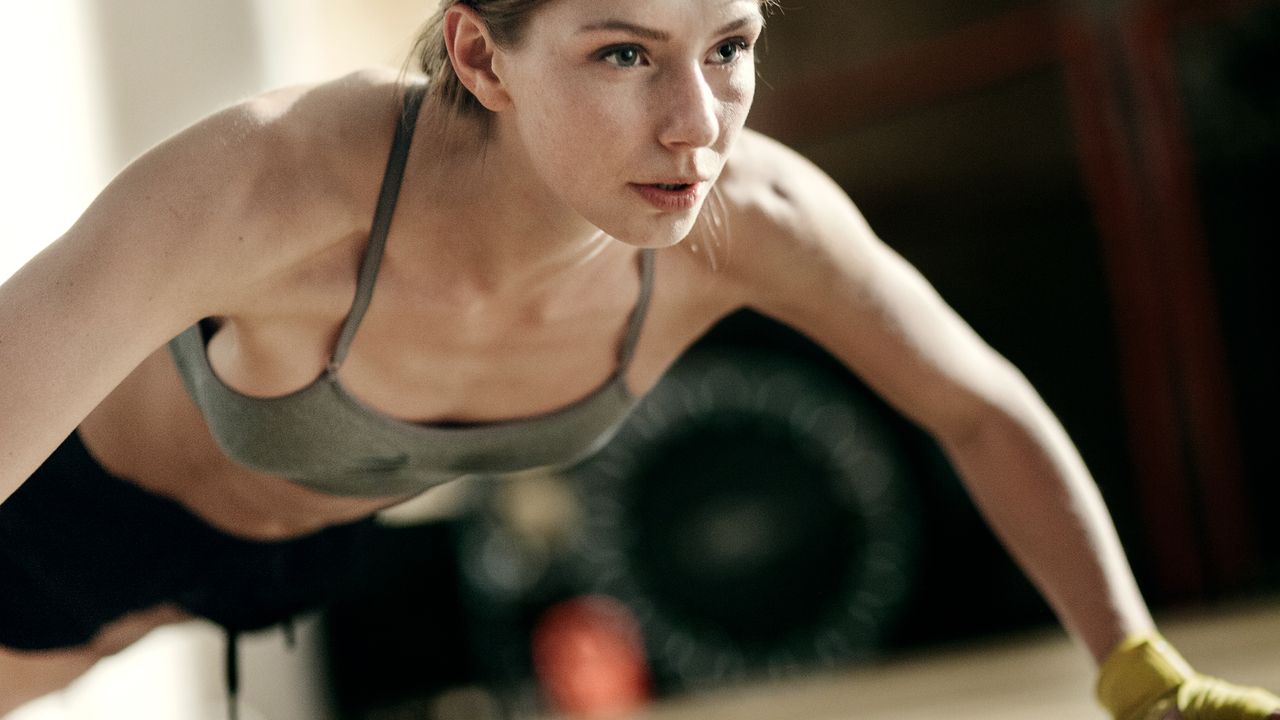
{"x": 567, "y": 17}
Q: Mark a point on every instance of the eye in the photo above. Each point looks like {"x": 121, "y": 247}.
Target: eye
{"x": 729, "y": 51}
{"x": 623, "y": 56}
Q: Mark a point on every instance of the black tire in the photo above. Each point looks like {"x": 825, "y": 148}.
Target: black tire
{"x": 757, "y": 515}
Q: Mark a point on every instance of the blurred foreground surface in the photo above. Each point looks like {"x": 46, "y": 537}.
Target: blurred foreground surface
{"x": 174, "y": 673}
{"x": 1033, "y": 676}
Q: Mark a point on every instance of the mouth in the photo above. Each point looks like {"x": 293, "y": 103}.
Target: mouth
{"x": 670, "y": 196}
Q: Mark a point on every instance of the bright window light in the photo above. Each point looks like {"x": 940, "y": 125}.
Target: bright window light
{"x": 50, "y": 142}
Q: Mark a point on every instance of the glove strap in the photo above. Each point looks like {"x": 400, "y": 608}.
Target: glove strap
{"x": 1139, "y": 673}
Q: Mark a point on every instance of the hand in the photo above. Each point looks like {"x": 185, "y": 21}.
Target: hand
{"x": 1146, "y": 679}
{"x": 1206, "y": 698}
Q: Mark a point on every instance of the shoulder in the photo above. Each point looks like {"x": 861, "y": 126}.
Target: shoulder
{"x": 337, "y": 109}
{"x": 253, "y": 189}
{"x": 791, "y": 229}
{"x": 341, "y": 117}
{"x": 280, "y": 145}
{"x": 298, "y": 167}
{"x": 803, "y": 254}
{"x": 318, "y": 146}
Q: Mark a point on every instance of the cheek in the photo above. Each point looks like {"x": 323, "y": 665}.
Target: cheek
{"x": 586, "y": 140}
{"x": 739, "y": 94}
{"x": 574, "y": 119}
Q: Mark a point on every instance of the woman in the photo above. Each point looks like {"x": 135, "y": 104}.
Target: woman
{"x": 236, "y": 399}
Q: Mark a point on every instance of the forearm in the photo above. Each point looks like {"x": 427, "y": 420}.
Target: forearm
{"x": 1030, "y": 483}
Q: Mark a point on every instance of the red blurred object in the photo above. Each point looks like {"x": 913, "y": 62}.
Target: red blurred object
{"x": 589, "y": 657}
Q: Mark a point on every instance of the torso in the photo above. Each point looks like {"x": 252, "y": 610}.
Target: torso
{"x": 415, "y": 358}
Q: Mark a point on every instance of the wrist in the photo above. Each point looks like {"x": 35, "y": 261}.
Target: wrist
{"x": 1139, "y": 673}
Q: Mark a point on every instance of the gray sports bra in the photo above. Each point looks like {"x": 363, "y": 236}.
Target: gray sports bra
{"x": 324, "y": 438}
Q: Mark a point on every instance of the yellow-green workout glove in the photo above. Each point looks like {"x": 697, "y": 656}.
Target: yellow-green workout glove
{"x": 1145, "y": 678}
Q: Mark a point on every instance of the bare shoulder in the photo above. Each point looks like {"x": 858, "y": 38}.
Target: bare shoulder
{"x": 196, "y": 226}
{"x": 256, "y": 187}
{"x": 334, "y": 125}
{"x": 243, "y": 195}
{"x": 793, "y": 230}
{"x": 804, "y": 254}
{"x": 311, "y": 156}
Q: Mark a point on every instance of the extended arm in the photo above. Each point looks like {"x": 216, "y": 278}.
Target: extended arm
{"x": 814, "y": 264}
{"x": 852, "y": 294}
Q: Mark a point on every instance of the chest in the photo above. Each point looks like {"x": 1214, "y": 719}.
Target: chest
{"x": 418, "y": 359}
{"x": 479, "y": 364}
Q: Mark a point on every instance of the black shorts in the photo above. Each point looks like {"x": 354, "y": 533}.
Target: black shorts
{"x": 80, "y": 548}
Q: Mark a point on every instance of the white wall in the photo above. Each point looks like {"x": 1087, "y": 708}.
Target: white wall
{"x": 309, "y": 40}
{"x": 51, "y": 162}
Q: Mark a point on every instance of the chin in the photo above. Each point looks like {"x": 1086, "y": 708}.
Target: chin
{"x": 651, "y": 240}
{"x": 656, "y": 233}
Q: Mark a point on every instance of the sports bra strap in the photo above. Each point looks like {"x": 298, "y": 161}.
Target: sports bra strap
{"x": 391, "y": 180}
{"x": 372, "y": 260}
{"x": 638, "y": 313}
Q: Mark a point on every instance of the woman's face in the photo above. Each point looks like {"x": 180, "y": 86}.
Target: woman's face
{"x": 627, "y": 109}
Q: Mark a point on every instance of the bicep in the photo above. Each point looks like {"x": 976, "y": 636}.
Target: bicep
{"x": 68, "y": 335}
{"x": 137, "y": 267}
{"x": 849, "y": 292}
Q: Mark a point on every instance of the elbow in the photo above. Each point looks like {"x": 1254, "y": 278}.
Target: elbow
{"x": 1006, "y": 404}
{"x": 975, "y": 431}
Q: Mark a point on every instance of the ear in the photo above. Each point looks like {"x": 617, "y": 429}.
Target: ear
{"x": 471, "y": 50}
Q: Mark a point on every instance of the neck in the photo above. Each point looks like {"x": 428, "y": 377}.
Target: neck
{"x": 494, "y": 229}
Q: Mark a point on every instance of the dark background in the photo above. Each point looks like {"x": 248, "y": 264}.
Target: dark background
{"x": 1091, "y": 186}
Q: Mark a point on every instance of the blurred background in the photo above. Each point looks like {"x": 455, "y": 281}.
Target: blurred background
{"x": 1089, "y": 182}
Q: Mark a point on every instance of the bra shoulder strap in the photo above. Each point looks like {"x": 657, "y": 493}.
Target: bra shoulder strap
{"x": 391, "y": 180}
{"x": 639, "y": 312}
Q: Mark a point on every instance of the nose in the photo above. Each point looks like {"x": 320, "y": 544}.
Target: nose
{"x": 690, "y": 119}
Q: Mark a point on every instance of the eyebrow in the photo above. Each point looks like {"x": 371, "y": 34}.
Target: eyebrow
{"x": 656, "y": 35}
